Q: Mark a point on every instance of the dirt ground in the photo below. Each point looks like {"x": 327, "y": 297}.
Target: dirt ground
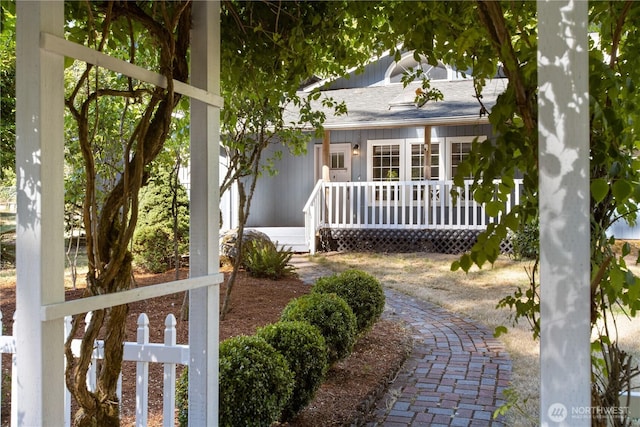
{"x": 347, "y": 396}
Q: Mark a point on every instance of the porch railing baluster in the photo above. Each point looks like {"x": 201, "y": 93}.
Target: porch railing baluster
{"x": 396, "y": 204}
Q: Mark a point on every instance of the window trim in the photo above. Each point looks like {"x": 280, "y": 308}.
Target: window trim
{"x": 457, "y": 139}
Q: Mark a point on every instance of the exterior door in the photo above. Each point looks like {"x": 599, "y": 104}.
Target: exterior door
{"x": 339, "y": 162}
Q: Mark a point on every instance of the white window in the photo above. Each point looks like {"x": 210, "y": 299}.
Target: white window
{"x": 404, "y": 159}
{"x": 385, "y": 161}
{"x": 459, "y": 147}
{"x": 337, "y": 160}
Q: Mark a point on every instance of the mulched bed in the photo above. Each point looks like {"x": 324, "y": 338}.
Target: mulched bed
{"x": 347, "y": 396}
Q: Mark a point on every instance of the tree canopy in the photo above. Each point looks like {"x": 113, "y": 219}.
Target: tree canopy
{"x": 507, "y": 38}
{"x": 7, "y": 89}
{"x": 270, "y": 47}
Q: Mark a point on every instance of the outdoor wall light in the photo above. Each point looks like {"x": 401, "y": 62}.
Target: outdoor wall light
{"x": 356, "y": 150}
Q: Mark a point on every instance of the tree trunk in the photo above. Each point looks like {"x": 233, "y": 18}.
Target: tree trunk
{"x": 237, "y": 261}
{"x": 244, "y": 206}
{"x": 111, "y": 212}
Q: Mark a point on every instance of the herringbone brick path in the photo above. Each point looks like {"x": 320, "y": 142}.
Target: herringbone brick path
{"x": 454, "y": 376}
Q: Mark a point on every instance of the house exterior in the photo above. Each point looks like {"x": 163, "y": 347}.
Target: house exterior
{"x": 382, "y": 175}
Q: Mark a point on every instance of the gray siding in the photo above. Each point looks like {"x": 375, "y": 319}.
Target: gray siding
{"x": 278, "y": 200}
{"x": 372, "y": 75}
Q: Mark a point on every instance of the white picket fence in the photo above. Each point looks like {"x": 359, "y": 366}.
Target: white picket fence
{"x": 142, "y": 351}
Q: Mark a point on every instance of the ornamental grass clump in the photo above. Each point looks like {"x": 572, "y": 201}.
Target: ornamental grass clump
{"x": 332, "y": 316}
{"x": 304, "y": 348}
{"x": 360, "y": 290}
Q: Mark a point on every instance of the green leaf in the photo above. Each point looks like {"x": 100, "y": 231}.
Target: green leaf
{"x": 68, "y": 62}
{"x": 493, "y": 208}
{"x": 466, "y": 262}
{"x": 622, "y": 189}
{"x": 500, "y": 330}
{"x": 599, "y": 189}
{"x": 626, "y": 249}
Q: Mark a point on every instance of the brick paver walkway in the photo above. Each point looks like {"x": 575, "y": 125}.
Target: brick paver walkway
{"x": 454, "y": 375}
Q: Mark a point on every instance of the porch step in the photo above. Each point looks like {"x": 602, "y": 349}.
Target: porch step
{"x": 292, "y": 237}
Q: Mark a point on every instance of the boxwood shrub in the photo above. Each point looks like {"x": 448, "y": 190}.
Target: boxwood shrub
{"x": 305, "y": 350}
{"x": 255, "y": 384}
{"x": 360, "y": 290}
{"x": 331, "y": 315}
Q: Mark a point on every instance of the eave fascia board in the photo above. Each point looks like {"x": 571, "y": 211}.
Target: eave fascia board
{"x": 440, "y": 121}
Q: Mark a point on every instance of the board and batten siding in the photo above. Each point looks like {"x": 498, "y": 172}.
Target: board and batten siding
{"x": 279, "y": 199}
{"x": 373, "y": 75}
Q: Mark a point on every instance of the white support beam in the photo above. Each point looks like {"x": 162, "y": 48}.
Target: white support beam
{"x": 65, "y": 47}
{"x": 563, "y": 131}
{"x": 204, "y": 303}
{"x": 40, "y": 219}
{"x": 97, "y": 302}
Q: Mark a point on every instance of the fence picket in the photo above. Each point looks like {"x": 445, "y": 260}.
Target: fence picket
{"x": 142, "y": 374}
{"x": 14, "y": 377}
{"x": 169, "y": 395}
{"x": 142, "y": 352}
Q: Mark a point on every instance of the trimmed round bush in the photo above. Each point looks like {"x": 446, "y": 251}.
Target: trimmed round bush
{"x": 331, "y": 315}
{"x": 305, "y": 350}
{"x": 360, "y": 290}
{"x": 255, "y": 383}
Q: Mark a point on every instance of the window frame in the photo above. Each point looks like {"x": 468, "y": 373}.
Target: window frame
{"x": 405, "y": 154}
{"x": 459, "y": 139}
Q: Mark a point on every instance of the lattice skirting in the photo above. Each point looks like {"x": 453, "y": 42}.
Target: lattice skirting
{"x": 398, "y": 240}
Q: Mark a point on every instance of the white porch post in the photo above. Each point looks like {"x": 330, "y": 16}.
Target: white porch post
{"x": 40, "y": 220}
{"x": 564, "y": 212}
{"x": 204, "y": 303}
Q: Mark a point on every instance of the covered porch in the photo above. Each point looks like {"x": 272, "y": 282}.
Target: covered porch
{"x": 425, "y": 215}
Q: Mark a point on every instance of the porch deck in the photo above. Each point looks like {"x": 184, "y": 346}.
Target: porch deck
{"x": 422, "y": 214}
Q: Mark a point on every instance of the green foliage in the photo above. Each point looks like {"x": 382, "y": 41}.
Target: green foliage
{"x": 255, "y": 382}
{"x": 7, "y": 88}
{"x": 477, "y": 36}
{"x": 305, "y": 350}
{"x": 360, "y": 290}
{"x": 526, "y": 241}
{"x": 263, "y": 259}
{"x": 153, "y": 241}
{"x": 115, "y": 128}
{"x": 182, "y": 398}
{"x": 332, "y": 316}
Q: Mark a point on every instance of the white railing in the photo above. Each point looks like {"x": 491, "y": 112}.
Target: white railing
{"x": 142, "y": 351}
{"x": 397, "y": 204}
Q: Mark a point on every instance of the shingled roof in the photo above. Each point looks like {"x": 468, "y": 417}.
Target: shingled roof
{"x": 393, "y": 105}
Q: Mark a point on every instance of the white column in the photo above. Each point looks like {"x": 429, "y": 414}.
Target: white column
{"x": 205, "y": 139}
{"x": 40, "y": 220}
{"x": 563, "y": 131}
